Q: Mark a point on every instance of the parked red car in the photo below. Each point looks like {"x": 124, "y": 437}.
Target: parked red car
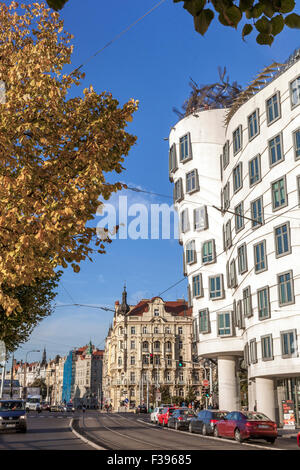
{"x": 298, "y": 439}
{"x": 163, "y": 417}
{"x": 246, "y": 425}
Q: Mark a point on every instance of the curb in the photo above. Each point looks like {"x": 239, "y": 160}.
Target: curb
{"x": 86, "y": 441}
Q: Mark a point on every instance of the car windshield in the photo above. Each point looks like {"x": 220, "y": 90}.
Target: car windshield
{"x": 219, "y": 414}
{"x": 254, "y": 416}
{"x": 186, "y": 412}
{"x": 11, "y": 405}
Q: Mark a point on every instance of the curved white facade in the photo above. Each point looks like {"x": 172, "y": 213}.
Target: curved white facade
{"x": 255, "y": 256}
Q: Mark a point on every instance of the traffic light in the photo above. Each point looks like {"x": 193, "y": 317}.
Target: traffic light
{"x": 151, "y": 358}
{"x": 207, "y": 394}
{"x": 180, "y": 363}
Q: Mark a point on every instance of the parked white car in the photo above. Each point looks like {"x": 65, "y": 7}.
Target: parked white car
{"x": 153, "y": 416}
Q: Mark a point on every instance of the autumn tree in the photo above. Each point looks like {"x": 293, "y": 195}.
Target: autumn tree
{"x": 55, "y": 152}
{"x": 36, "y": 302}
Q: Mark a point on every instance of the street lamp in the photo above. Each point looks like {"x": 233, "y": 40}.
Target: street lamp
{"x": 25, "y": 369}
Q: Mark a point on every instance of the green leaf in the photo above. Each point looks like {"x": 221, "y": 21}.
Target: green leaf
{"x": 287, "y": 6}
{"x": 268, "y": 8}
{"x": 246, "y": 4}
{"x": 263, "y": 25}
{"x": 277, "y": 24}
{"x": 292, "y": 21}
{"x": 264, "y": 39}
{"x": 194, "y": 7}
{"x": 234, "y": 14}
{"x": 223, "y": 20}
{"x": 257, "y": 10}
{"x": 203, "y": 20}
{"x": 246, "y": 30}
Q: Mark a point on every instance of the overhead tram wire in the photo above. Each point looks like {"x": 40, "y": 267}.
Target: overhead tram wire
{"x": 117, "y": 36}
{"x": 85, "y": 305}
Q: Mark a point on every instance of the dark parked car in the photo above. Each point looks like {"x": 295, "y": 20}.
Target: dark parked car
{"x": 13, "y": 415}
{"x": 56, "y": 408}
{"x": 141, "y": 409}
{"x": 246, "y": 425}
{"x": 204, "y": 422}
{"x": 69, "y": 407}
{"x": 180, "y": 418}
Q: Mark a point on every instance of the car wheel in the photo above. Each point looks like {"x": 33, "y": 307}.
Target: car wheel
{"x": 237, "y": 435}
{"x": 22, "y": 430}
{"x": 271, "y": 440}
{"x": 216, "y": 432}
{"x": 190, "y": 428}
{"x": 204, "y": 430}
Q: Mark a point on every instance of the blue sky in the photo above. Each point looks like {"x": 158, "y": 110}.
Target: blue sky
{"x": 153, "y": 62}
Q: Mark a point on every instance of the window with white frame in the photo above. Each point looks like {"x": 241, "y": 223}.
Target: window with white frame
{"x": 279, "y": 194}
{"x": 226, "y": 196}
{"x": 282, "y": 240}
{"x": 227, "y": 235}
{"x": 266, "y": 347}
{"x": 132, "y": 360}
{"x": 156, "y": 312}
{"x": 192, "y": 181}
{"x": 172, "y": 159}
{"x": 216, "y": 289}
{"x": 239, "y": 217}
{"x": 225, "y": 154}
{"x": 254, "y": 170}
{"x": 208, "y": 252}
{"x": 263, "y": 303}
{"x": 253, "y": 124}
{"x": 132, "y": 344}
{"x": 247, "y": 302}
{"x": 190, "y": 252}
{"x": 242, "y": 258}
{"x": 232, "y": 274}
{"x": 200, "y": 218}
{"x": 289, "y": 347}
{"x": 185, "y": 148}
{"x": 204, "y": 326}
{"x": 246, "y": 355}
{"x": 237, "y": 140}
{"x": 273, "y": 108}
{"x": 296, "y": 140}
{"x": 224, "y": 323}
{"x": 184, "y": 221}
{"x": 257, "y": 212}
{"x": 178, "y": 190}
{"x": 276, "y": 154}
{"x": 260, "y": 257}
{"x": 237, "y": 176}
{"x": 295, "y": 92}
{"x": 197, "y": 286}
{"x": 285, "y": 288}
{"x": 253, "y": 351}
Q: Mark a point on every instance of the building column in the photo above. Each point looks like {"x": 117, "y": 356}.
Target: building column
{"x": 228, "y": 397}
{"x": 265, "y": 397}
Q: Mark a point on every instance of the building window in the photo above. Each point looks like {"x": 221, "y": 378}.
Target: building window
{"x": 156, "y": 346}
{"x": 242, "y": 258}
{"x": 155, "y": 330}
{"x": 273, "y": 108}
{"x": 253, "y": 124}
{"x": 246, "y": 355}
{"x": 257, "y": 212}
{"x": 282, "y": 240}
{"x": 178, "y": 190}
{"x": 239, "y": 217}
{"x": 253, "y": 351}
{"x": 279, "y": 194}
{"x": 192, "y": 181}
{"x": 263, "y": 303}
{"x": 295, "y": 92}
{"x": 289, "y": 347}
{"x": 144, "y": 330}
{"x": 208, "y": 252}
{"x": 224, "y": 323}
{"x": 226, "y": 154}
{"x": 227, "y": 235}
{"x": 275, "y": 150}
{"x": 226, "y": 196}
{"x": 156, "y": 312}
{"x": 185, "y": 147}
{"x": 237, "y": 177}
{"x": 200, "y": 218}
{"x": 172, "y": 158}
{"x": 247, "y": 302}
{"x": 260, "y": 257}
{"x": 132, "y": 360}
{"x": 145, "y": 346}
{"x": 232, "y": 274}
{"x": 184, "y": 221}
{"x": 216, "y": 290}
{"x": 237, "y": 140}
{"x": 132, "y": 344}
{"x": 254, "y": 170}
{"x": 285, "y": 288}
{"x": 204, "y": 326}
{"x": 296, "y": 139}
{"x": 180, "y": 330}
{"x": 267, "y": 348}
{"x": 190, "y": 252}
{"x": 197, "y": 286}
{"x": 132, "y": 330}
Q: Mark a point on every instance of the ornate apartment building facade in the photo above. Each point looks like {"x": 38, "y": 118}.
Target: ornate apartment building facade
{"x": 236, "y": 178}
{"x": 148, "y": 347}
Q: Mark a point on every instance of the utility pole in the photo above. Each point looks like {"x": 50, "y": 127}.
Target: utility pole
{"x": 12, "y": 377}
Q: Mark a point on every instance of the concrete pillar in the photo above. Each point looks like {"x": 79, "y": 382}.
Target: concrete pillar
{"x": 265, "y": 398}
{"x": 228, "y": 397}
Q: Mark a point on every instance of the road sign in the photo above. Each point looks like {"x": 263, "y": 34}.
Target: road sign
{"x": 205, "y": 383}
